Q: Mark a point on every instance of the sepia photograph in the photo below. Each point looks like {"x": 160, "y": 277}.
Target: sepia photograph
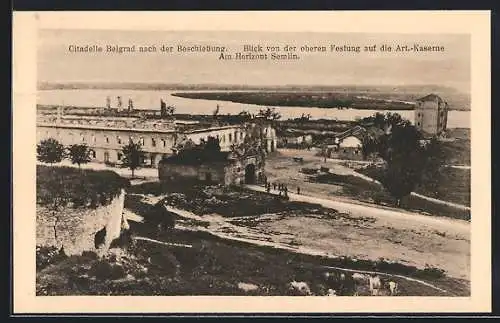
{"x": 239, "y": 162}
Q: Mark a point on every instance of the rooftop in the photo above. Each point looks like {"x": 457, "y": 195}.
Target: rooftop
{"x": 198, "y": 157}
{"x": 431, "y": 98}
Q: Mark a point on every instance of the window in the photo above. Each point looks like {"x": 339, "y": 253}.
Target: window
{"x": 107, "y": 141}
{"x": 418, "y": 123}
{"x": 92, "y": 153}
{"x": 241, "y": 135}
{"x": 153, "y": 142}
{"x": 119, "y": 155}
{"x": 230, "y": 137}
{"x": 93, "y": 139}
{"x": 164, "y": 143}
{"x": 118, "y": 139}
{"x": 141, "y": 141}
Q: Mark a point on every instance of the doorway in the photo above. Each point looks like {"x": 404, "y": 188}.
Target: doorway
{"x": 250, "y": 174}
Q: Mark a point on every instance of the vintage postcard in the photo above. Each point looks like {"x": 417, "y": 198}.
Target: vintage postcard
{"x": 251, "y": 162}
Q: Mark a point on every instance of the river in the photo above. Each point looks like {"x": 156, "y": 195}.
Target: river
{"x": 150, "y": 99}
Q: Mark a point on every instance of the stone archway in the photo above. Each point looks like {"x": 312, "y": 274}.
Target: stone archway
{"x": 250, "y": 174}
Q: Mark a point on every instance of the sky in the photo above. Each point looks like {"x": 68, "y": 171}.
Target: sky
{"x": 449, "y": 68}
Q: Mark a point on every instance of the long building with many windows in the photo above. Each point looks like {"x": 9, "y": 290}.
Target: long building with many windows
{"x": 106, "y": 136}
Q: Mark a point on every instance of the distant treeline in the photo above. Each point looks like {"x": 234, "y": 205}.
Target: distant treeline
{"x": 404, "y": 89}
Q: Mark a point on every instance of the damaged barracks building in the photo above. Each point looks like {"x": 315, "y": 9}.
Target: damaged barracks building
{"x": 106, "y": 136}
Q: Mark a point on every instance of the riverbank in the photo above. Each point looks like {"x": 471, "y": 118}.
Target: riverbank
{"x": 328, "y": 100}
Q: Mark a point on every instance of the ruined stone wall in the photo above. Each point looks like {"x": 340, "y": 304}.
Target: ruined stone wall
{"x": 76, "y": 229}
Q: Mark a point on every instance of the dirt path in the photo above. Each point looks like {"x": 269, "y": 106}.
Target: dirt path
{"x": 379, "y": 212}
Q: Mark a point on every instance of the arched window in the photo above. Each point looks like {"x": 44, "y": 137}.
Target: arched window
{"x": 153, "y": 142}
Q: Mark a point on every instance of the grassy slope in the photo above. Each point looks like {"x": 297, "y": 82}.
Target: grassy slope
{"x": 212, "y": 267}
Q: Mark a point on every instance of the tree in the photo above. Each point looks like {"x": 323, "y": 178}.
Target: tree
{"x": 79, "y": 154}
{"x": 245, "y": 116}
{"x": 132, "y": 156}
{"x": 269, "y": 114}
{"x": 367, "y": 146}
{"x": 434, "y": 163}
{"x": 405, "y": 159}
{"x": 212, "y": 144}
{"x": 409, "y": 160}
{"x": 216, "y": 112}
{"x": 50, "y": 151}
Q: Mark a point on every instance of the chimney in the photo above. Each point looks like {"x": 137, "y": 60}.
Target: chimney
{"x": 119, "y": 102}
{"x": 130, "y": 105}
{"x": 59, "y": 114}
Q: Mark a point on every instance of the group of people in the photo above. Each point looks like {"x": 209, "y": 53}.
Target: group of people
{"x": 281, "y": 188}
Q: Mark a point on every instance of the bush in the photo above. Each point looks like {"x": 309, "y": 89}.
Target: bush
{"x": 309, "y": 171}
{"x": 159, "y": 215}
{"x": 46, "y": 256}
{"x": 117, "y": 272}
{"x": 89, "y": 254}
{"x": 101, "y": 270}
{"x": 430, "y": 273}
